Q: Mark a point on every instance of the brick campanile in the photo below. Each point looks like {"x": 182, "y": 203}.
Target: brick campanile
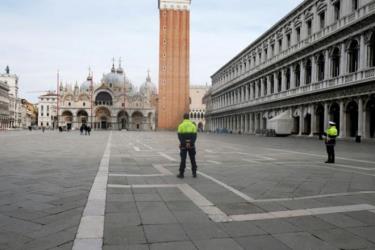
{"x": 174, "y": 59}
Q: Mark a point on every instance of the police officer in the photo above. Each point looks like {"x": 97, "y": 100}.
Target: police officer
{"x": 331, "y": 134}
{"x": 187, "y": 135}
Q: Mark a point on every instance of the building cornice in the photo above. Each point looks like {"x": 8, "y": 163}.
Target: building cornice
{"x": 174, "y": 4}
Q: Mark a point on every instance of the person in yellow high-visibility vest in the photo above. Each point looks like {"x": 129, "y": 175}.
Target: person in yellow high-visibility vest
{"x": 331, "y": 134}
{"x": 187, "y": 135}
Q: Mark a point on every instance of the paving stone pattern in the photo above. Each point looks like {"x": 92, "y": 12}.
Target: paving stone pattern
{"x": 46, "y": 179}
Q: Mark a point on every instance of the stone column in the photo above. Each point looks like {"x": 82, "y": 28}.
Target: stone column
{"x": 283, "y": 80}
{"x": 343, "y": 60}
{"x": 275, "y": 83}
{"x": 342, "y": 132}
{"x": 325, "y": 116}
{"x": 314, "y": 73}
{"x": 239, "y": 125}
{"x": 243, "y": 123}
{"x": 327, "y": 64}
{"x": 292, "y": 77}
{"x": 360, "y": 117}
{"x": 362, "y": 53}
{"x": 313, "y": 120}
{"x": 301, "y": 121}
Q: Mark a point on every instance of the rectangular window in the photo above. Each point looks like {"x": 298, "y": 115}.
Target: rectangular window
{"x": 298, "y": 34}
{"x": 337, "y": 10}
{"x": 355, "y": 5}
{"x": 272, "y": 49}
{"x": 280, "y": 45}
{"x": 322, "y": 20}
{"x": 265, "y": 54}
{"x": 309, "y": 28}
{"x": 288, "y": 40}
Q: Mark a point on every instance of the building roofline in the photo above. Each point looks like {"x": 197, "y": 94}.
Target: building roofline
{"x": 266, "y": 33}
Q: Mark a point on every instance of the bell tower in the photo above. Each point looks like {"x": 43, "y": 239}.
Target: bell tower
{"x": 174, "y": 62}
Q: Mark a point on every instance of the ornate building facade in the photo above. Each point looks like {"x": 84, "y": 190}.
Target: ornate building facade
{"x": 174, "y": 58}
{"x": 14, "y": 101}
{"x": 4, "y": 106}
{"x": 316, "y": 64}
{"x": 114, "y": 103}
{"x": 197, "y": 107}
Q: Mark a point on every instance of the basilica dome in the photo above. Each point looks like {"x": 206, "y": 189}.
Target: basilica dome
{"x": 116, "y": 79}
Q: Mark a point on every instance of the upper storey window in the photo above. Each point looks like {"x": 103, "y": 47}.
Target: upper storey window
{"x": 265, "y": 54}
{"x": 272, "y": 49}
{"x": 322, "y": 20}
{"x": 353, "y": 54}
{"x": 309, "y": 27}
{"x": 298, "y": 34}
{"x": 280, "y": 45}
{"x": 288, "y": 40}
{"x": 337, "y": 10}
{"x": 355, "y": 5}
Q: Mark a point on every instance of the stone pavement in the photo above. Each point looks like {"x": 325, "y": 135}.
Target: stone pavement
{"x": 118, "y": 190}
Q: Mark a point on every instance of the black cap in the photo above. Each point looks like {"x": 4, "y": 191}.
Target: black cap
{"x": 186, "y": 116}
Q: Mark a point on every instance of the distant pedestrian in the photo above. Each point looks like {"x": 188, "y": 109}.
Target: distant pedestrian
{"x": 330, "y": 141}
{"x": 88, "y": 129}
{"x": 187, "y": 135}
{"x": 81, "y": 129}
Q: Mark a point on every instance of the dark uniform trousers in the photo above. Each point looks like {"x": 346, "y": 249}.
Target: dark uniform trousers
{"x": 331, "y": 152}
{"x": 183, "y": 153}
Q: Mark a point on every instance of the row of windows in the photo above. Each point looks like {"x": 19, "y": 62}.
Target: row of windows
{"x": 282, "y": 43}
{"x": 199, "y": 115}
{"x": 303, "y": 73}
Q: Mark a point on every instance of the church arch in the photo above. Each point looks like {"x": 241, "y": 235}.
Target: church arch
{"x": 103, "y": 118}
{"x": 103, "y": 98}
{"x": 82, "y": 117}
{"x": 123, "y": 120}
{"x": 67, "y": 117}
{"x": 137, "y": 120}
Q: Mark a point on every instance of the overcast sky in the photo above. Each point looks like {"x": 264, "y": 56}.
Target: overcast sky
{"x": 38, "y": 37}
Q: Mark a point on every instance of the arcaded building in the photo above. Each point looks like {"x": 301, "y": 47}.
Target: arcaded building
{"x": 314, "y": 65}
{"x": 112, "y": 103}
{"x": 197, "y": 107}
{"x": 4, "y": 106}
{"x": 174, "y": 59}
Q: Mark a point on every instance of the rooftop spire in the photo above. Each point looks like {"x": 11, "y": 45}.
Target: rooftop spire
{"x": 113, "y": 70}
{"x": 119, "y": 70}
{"x": 148, "y": 79}
{"x": 89, "y": 77}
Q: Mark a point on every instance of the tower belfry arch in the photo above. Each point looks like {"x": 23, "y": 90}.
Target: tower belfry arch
{"x": 174, "y": 59}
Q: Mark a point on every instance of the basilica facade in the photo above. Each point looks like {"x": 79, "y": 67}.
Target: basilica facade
{"x": 315, "y": 65}
{"x": 113, "y": 103}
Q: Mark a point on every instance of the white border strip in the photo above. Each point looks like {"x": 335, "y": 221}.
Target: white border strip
{"x": 302, "y": 212}
{"x": 167, "y": 156}
{"x": 91, "y": 228}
